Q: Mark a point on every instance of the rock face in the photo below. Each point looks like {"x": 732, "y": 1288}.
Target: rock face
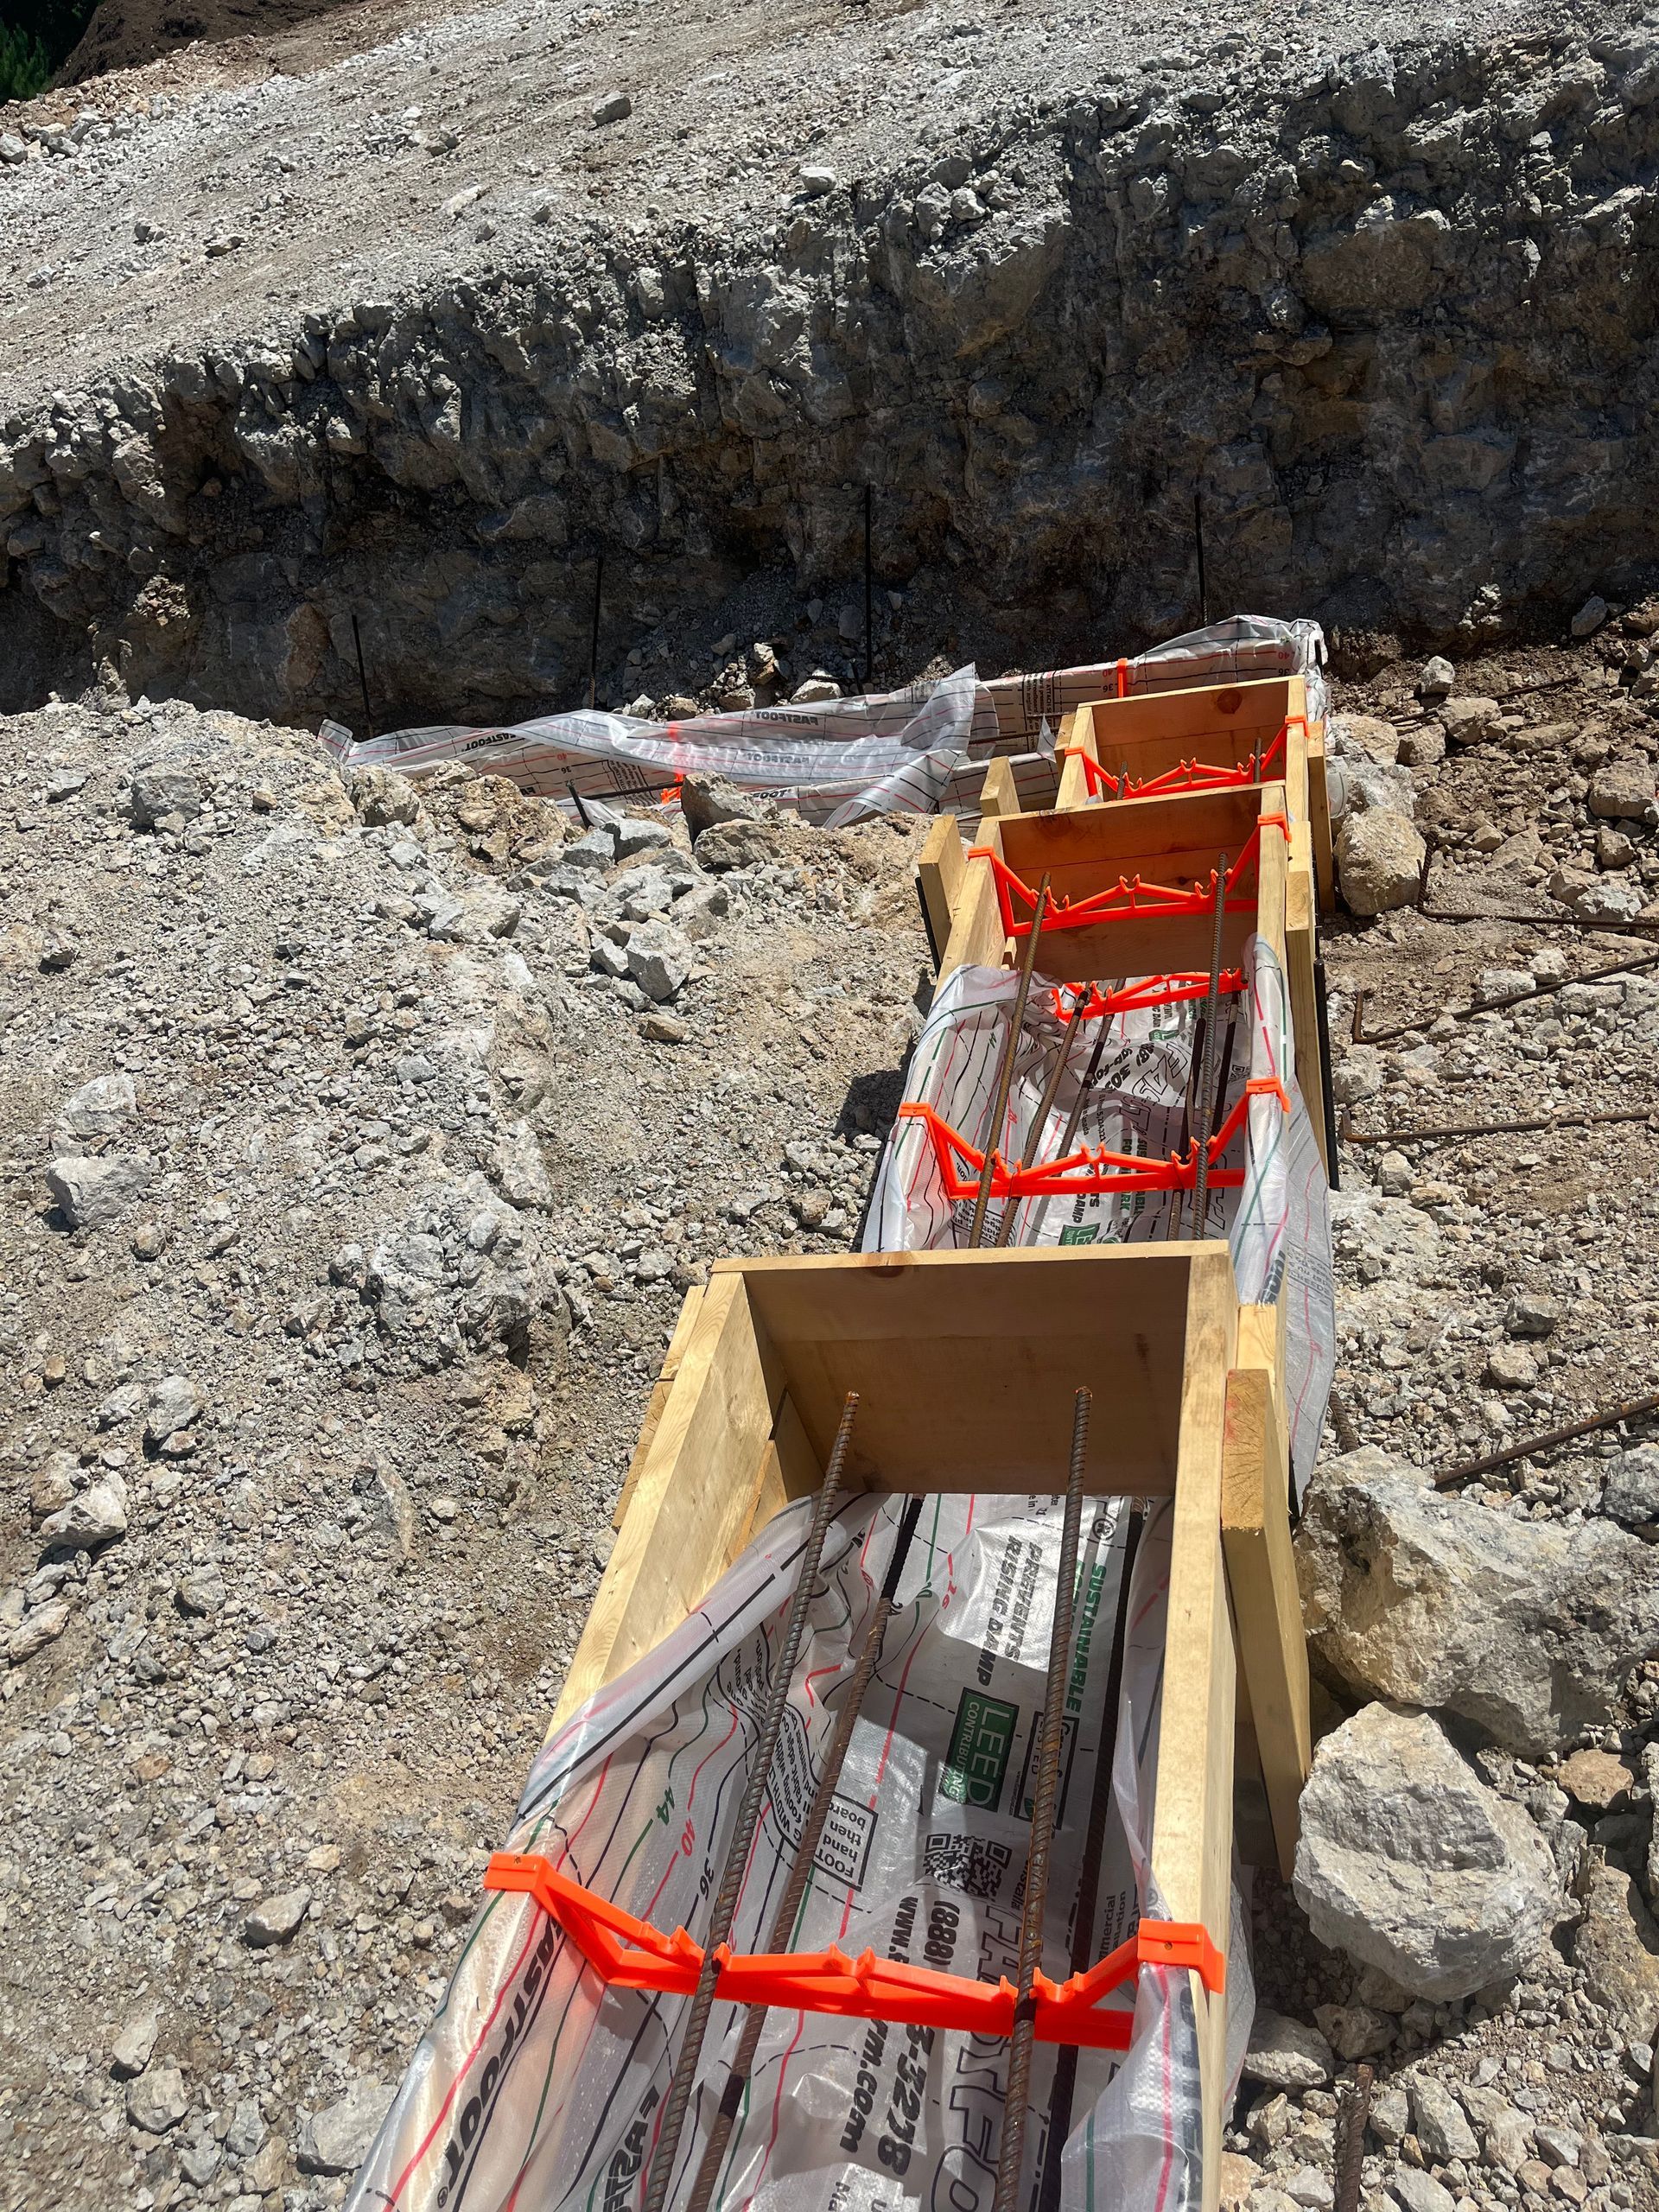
{"x": 1379, "y": 861}
{"x": 1523, "y": 1627}
{"x": 1615, "y": 1947}
{"x": 1195, "y": 264}
{"x": 1408, "y": 1862}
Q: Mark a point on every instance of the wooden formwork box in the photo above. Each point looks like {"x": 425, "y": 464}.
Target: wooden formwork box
{"x": 1226, "y": 725}
{"x": 1223, "y": 726}
{"x": 1176, "y": 841}
{"x": 966, "y": 1363}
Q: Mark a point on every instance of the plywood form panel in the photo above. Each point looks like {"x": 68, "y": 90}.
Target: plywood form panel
{"x": 695, "y": 1496}
{"x": 1192, "y": 1852}
{"x": 966, "y": 1362}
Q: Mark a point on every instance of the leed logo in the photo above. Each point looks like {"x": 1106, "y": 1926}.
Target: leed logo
{"x": 981, "y": 1744}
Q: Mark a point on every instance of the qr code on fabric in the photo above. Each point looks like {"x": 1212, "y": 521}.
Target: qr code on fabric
{"x": 973, "y": 1865}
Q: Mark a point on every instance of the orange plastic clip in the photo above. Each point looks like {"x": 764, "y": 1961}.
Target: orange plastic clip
{"x": 1087, "y": 1171}
{"x": 627, "y": 1952}
{"x": 1193, "y": 775}
{"x": 1144, "y": 995}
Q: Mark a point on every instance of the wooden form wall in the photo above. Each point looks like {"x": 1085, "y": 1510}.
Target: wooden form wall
{"x": 966, "y": 1361}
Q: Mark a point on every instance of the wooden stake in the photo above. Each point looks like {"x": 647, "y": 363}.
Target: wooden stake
{"x": 1005, "y": 1077}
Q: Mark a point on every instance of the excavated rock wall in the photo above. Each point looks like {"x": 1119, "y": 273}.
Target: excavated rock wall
{"x": 1398, "y": 321}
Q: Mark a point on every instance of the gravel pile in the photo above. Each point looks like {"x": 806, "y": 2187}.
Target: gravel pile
{"x": 349, "y": 1195}
{"x": 1471, "y": 1913}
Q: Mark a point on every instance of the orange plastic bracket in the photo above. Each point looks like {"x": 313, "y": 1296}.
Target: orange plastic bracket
{"x": 1129, "y": 897}
{"x": 627, "y": 1952}
{"x": 1143, "y": 996}
{"x": 1089, "y": 1172}
{"x": 1193, "y": 775}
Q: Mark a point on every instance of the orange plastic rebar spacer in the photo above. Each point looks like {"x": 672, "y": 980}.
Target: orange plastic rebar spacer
{"x": 1193, "y": 775}
{"x": 1089, "y": 1172}
{"x": 627, "y": 1952}
{"x": 1128, "y": 898}
{"x": 1143, "y": 996}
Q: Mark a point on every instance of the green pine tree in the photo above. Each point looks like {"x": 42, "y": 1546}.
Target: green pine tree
{"x": 36, "y": 39}
{"x": 25, "y": 65}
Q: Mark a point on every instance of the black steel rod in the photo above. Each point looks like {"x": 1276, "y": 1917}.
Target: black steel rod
{"x": 1201, "y": 1181}
{"x": 1611, "y": 1417}
{"x": 362, "y": 678}
{"x": 1443, "y": 1135}
{"x": 748, "y": 1819}
{"x": 869, "y": 588}
{"x": 1495, "y": 1006}
{"x": 1064, "y": 2088}
{"x": 1010, "y": 2152}
{"x": 1545, "y": 921}
{"x": 1039, "y": 1119}
{"x": 592, "y": 642}
{"x": 1004, "y": 1072}
{"x": 1197, "y": 535}
{"x": 800, "y": 1874}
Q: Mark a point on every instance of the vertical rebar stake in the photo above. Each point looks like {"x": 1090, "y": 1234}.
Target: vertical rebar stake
{"x": 1039, "y": 1119}
{"x": 1062, "y": 2093}
{"x": 1201, "y": 1181}
{"x": 1197, "y": 535}
{"x": 1005, "y": 1073}
{"x": 869, "y": 588}
{"x": 1350, "y": 2141}
{"x": 1011, "y": 2152}
{"x": 592, "y": 642}
{"x": 800, "y": 1873}
{"x": 748, "y": 1819}
{"x": 362, "y": 678}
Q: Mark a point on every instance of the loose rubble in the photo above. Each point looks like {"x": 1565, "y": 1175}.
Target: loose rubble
{"x": 1479, "y": 1849}
{"x": 310, "y": 1445}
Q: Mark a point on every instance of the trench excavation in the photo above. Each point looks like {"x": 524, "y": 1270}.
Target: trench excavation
{"x": 1387, "y": 315}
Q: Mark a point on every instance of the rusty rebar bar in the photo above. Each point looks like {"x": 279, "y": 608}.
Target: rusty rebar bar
{"x": 1044, "y": 1791}
{"x": 1074, "y": 1119}
{"x": 1039, "y": 1119}
{"x": 782, "y": 1931}
{"x": 1546, "y": 921}
{"x": 1212, "y": 1005}
{"x": 1350, "y": 2139}
{"x": 1063, "y": 2091}
{"x": 748, "y": 1819}
{"x": 1610, "y": 1418}
{"x": 1004, "y": 1072}
{"x": 1492, "y": 1006}
{"x": 1443, "y": 1135}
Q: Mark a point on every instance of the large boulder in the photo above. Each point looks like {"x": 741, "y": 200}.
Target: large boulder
{"x": 1623, "y": 791}
{"x": 1409, "y": 1863}
{"x": 1379, "y": 861}
{"x": 1524, "y": 1628}
{"x": 336, "y": 2140}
